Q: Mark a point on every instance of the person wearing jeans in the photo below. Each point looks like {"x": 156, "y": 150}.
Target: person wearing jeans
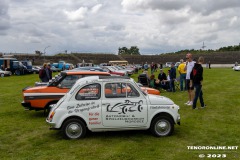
{"x": 172, "y": 78}
{"x": 196, "y": 79}
{"x": 198, "y": 94}
{"x": 182, "y": 73}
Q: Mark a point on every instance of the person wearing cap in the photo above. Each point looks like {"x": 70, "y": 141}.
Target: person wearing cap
{"x": 182, "y": 73}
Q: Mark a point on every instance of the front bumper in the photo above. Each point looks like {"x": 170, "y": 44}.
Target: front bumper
{"x": 27, "y": 105}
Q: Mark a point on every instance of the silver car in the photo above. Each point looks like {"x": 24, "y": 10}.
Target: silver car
{"x": 5, "y": 73}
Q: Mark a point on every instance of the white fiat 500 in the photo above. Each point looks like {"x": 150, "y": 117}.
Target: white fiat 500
{"x": 112, "y": 104}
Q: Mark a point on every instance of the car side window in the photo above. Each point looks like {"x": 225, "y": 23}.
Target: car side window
{"x": 89, "y": 92}
{"x": 120, "y": 90}
{"x": 131, "y": 91}
{"x": 69, "y": 81}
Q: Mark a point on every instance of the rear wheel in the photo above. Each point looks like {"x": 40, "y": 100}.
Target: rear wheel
{"x": 17, "y": 72}
{"x": 2, "y": 74}
{"x": 73, "y": 129}
{"x": 162, "y": 126}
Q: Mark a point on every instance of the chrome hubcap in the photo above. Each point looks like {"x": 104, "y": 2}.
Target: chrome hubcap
{"x": 74, "y": 130}
{"x": 162, "y": 127}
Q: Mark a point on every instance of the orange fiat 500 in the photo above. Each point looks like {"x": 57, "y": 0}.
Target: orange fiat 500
{"x": 41, "y": 97}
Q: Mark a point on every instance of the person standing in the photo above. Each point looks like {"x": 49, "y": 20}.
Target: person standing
{"x": 196, "y": 79}
{"x": 45, "y": 73}
{"x": 146, "y": 66}
{"x": 188, "y": 68}
{"x": 49, "y": 72}
{"x": 172, "y": 77}
{"x": 182, "y": 73}
{"x": 152, "y": 68}
{"x": 42, "y": 72}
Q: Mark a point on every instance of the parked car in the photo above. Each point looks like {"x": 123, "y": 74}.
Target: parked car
{"x": 177, "y": 64}
{"x": 113, "y": 70}
{"x": 168, "y": 64}
{"x": 44, "y": 94}
{"x": 236, "y": 68}
{"x": 54, "y": 69}
{"x": 112, "y": 104}
{"x": 36, "y": 69}
{"x": 40, "y": 97}
{"x": 5, "y": 73}
{"x": 139, "y": 66}
{"x": 91, "y": 69}
{"x": 129, "y": 70}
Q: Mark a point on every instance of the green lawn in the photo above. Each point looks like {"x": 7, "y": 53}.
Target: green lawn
{"x": 25, "y": 134}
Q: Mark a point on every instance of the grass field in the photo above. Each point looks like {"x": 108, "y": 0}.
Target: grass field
{"x": 25, "y": 135}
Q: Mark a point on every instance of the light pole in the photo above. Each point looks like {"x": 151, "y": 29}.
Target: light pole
{"x": 44, "y": 51}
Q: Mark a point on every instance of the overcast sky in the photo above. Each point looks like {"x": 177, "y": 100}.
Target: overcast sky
{"x": 154, "y": 26}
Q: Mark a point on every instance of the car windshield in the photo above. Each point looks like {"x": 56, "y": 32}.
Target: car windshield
{"x": 140, "y": 89}
{"x": 29, "y": 63}
{"x": 55, "y": 79}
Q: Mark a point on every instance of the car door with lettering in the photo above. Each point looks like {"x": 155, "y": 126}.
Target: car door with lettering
{"x": 123, "y": 106}
{"x": 87, "y": 104}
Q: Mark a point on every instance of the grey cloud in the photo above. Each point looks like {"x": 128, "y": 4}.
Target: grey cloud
{"x": 152, "y": 25}
{"x": 4, "y": 17}
{"x": 114, "y": 27}
{"x": 204, "y": 7}
{"x": 207, "y": 38}
{"x": 210, "y": 6}
{"x": 167, "y": 5}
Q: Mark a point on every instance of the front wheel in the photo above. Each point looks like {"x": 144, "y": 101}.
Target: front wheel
{"x": 73, "y": 129}
{"x": 162, "y": 126}
{"x": 2, "y": 74}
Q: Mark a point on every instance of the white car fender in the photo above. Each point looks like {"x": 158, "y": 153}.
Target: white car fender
{"x": 61, "y": 116}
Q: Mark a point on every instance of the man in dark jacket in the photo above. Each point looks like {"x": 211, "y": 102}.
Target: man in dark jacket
{"x": 172, "y": 77}
{"x": 162, "y": 76}
{"x": 47, "y": 73}
{"x": 196, "y": 79}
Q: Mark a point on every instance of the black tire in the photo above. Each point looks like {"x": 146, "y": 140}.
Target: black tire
{"x": 17, "y": 72}
{"x": 162, "y": 126}
{"x": 2, "y": 74}
{"x": 73, "y": 129}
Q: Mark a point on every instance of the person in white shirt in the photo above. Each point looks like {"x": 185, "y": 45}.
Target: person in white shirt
{"x": 189, "y": 66}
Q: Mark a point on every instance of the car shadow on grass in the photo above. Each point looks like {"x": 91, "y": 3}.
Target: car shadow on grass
{"x": 135, "y": 135}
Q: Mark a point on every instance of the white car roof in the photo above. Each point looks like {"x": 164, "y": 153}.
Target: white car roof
{"x": 104, "y": 78}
